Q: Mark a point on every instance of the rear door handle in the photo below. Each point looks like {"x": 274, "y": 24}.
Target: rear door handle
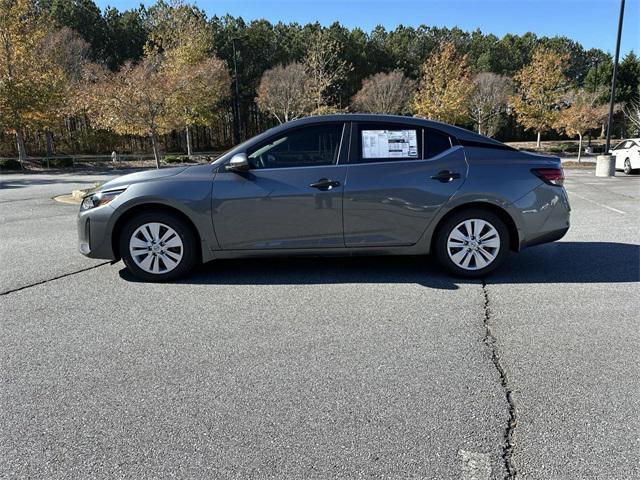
{"x": 445, "y": 176}
{"x": 325, "y": 184}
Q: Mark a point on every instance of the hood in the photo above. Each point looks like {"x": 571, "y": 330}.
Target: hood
{"x": 139, "y": 177}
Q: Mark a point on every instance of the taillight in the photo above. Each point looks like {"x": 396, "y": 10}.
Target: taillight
{"x": 552, "y": 176}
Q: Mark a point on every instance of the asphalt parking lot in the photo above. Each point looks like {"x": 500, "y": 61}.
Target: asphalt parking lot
{"x": 321, "y": 368}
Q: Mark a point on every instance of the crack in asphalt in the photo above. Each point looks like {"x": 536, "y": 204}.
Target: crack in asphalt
{"x": 491, "y": 342}
{"x": 7, "y": 292}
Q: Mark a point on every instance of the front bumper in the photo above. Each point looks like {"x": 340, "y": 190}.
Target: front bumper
{"x": 94, "y": 233}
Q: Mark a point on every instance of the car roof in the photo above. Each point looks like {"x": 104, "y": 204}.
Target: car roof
{"x": 458, "y": 132}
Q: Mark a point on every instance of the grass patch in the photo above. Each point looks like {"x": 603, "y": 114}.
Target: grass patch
{"x": 583, "y": 165}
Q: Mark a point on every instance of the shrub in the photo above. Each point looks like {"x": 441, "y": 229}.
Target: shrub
{"x": 60, "y": 162}
{"x": 564, "y": 147}
{"x": 568, "y": 147}
{"x": 9, "y": 164}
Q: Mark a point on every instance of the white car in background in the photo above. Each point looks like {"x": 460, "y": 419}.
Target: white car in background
{"x": 627, "y": 155}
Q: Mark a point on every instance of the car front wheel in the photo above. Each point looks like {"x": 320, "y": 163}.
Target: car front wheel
{"x": 158, "y": 246}
{"x": 472, "y": 243}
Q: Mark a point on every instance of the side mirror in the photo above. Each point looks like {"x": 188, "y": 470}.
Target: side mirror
{"x": 238, "y": 163}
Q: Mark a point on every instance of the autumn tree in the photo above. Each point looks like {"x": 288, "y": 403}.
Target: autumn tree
{"x": 445, "y": 86}
{"x": 199, "y": 80}
{"x": 29, "y": 80}
{"x": 388, "y": 93}
{"x": 581, "y": 112}
{"x": 68, "y": 51}
{"x": 133, "y": 101}
{"x": 324, "y": 67}
{"x": 540, "y": 86}
{"x": 198, "y": 94}
{"x": 488, "y": 101}
{"x": 282, "y": 92}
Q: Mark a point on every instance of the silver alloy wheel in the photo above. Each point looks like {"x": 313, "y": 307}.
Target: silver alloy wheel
{"x": 156, "y": 248}
{"x": 627, "y": 166}
{"x": 473, "y": 244}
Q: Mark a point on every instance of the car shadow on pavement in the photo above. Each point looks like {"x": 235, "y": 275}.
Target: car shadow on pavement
{"x": 559, "y": 262}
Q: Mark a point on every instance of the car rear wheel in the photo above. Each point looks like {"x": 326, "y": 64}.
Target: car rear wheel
{"x": 472, "y": 243}
{"x": 627, "y": 167}
{"x": 158, "y": 246}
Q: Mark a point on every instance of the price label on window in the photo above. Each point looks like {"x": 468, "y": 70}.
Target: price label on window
{"x": 389, "y": 144}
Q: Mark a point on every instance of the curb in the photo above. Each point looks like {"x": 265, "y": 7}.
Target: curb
{"x": 70, "y": 199}
{"x": 74, "y": 198}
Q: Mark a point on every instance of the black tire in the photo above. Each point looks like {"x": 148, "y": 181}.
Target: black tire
{"x": 190, "y": 253}
{"x": 627, "y": 167}
{"x": 444, "y": 230}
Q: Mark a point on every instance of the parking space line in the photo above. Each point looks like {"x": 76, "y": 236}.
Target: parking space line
{"x": 596, "y": 203}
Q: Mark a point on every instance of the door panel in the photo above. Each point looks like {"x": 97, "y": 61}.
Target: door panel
{"x": 393, "y": 202}
{"x": 277, "y": 208}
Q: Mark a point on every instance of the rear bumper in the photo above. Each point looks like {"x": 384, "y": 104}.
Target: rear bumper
{"x": 548, "y": 237}
{"x": 545, "y": 214}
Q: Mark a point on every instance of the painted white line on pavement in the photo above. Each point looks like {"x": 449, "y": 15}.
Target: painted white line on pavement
{"x": 597, "y": 203}
{"x": 475, "y": 466}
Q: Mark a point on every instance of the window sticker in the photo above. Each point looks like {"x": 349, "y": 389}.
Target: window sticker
{"x": 389, "y": 144}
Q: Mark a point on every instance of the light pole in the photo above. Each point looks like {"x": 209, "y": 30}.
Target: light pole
{"x": 613, "y": 78}
{"x": 605, "y": 164}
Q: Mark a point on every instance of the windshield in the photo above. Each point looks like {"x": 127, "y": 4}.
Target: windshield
{"x": 241, "y": 146}
{"x": 226, "y": 154}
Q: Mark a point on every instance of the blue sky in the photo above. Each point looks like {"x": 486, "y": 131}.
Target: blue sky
{"x": 593, "y": 23}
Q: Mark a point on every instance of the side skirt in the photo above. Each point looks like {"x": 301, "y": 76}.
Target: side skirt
{"x": 323, "y": 252}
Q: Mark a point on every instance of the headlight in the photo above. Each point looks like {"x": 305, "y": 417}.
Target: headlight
{"x": 99, "y": 198}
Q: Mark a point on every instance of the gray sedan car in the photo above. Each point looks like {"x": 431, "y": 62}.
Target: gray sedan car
{"x": 333, "y": 185}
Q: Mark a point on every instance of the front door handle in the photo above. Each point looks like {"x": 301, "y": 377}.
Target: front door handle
{"x": 445, "y": 176}
{"x": 325, "y": 184}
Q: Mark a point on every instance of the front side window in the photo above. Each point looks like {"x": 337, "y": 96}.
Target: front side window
{"x": 389, "y": 142}
{"x": 303, "y": 147}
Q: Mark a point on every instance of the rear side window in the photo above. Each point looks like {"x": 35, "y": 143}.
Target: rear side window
{"x": 388, "y": 142}
{"x": 310, "y": 146}
{"x": 436, "y": 143}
